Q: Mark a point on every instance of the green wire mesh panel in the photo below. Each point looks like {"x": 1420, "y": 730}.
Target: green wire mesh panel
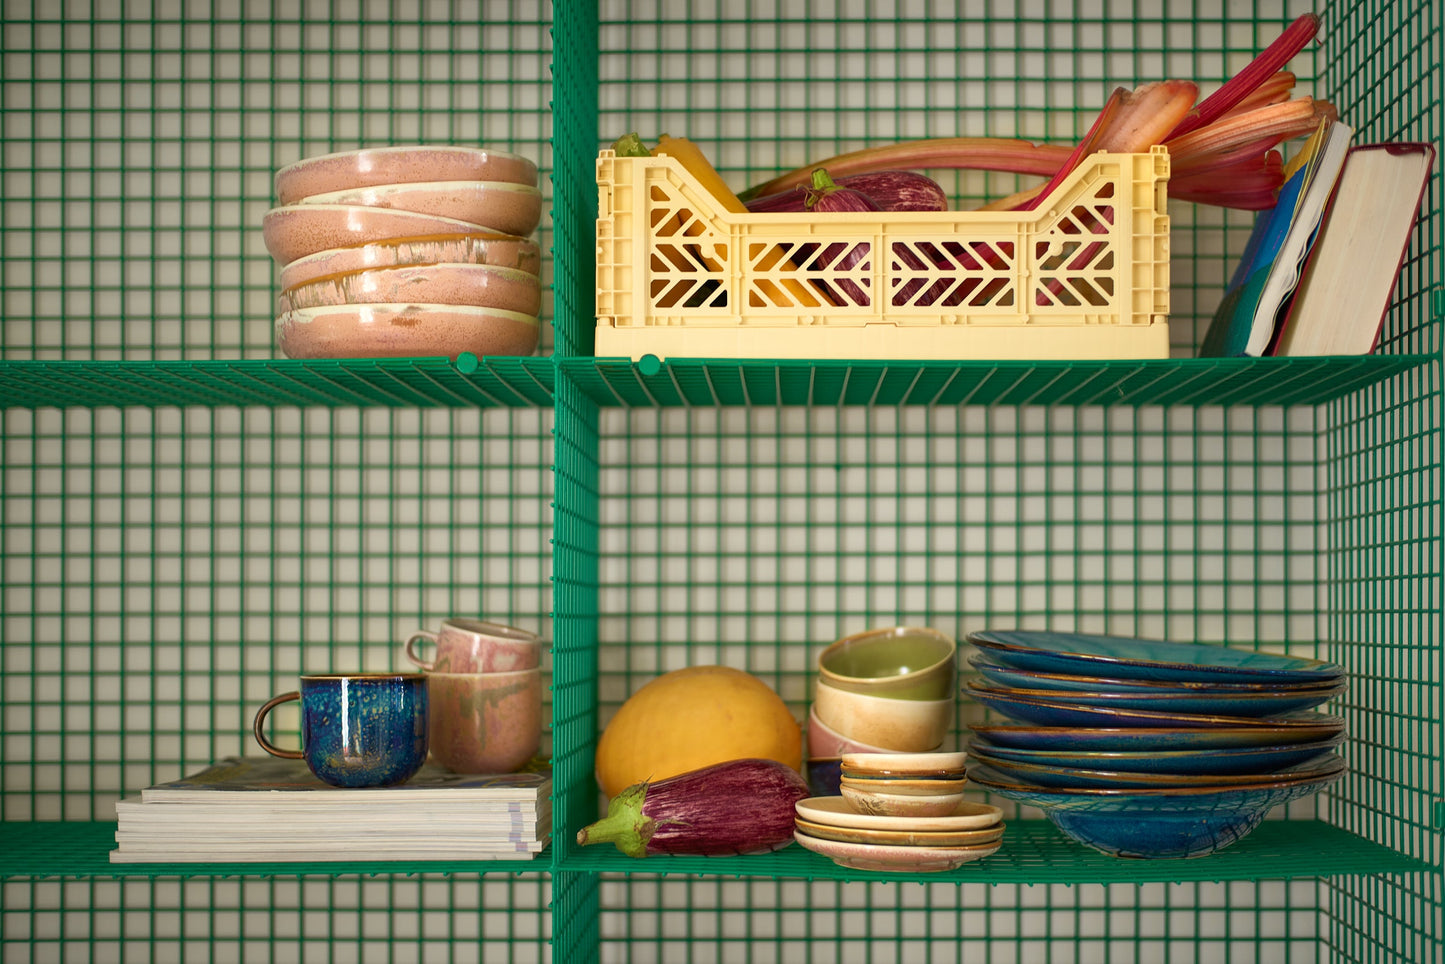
{"x": 753, "y": 537}
{"x": 141, "y": 141}
{"x": 296, "y": 919}
{"x": 821, "y": 921}
{"x": 166, "y": 568}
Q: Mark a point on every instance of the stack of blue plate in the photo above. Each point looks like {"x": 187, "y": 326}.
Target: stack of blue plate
{"x": 1148, "y": 748}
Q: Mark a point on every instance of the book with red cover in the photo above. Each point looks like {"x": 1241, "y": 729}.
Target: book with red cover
{"x": 1350, "y": 275}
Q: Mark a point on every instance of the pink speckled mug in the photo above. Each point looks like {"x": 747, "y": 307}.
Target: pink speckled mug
{"x": 467, "y": 645}
{"x": 485, "y": 722}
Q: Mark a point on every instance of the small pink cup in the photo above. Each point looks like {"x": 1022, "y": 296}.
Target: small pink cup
{"x": 485, "y": 722}
{"x": 475, "y": 646}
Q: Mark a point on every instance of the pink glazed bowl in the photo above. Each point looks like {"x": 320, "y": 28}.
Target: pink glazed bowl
{"x": 482, "y": 285}
{"x": 501, "y": 250}
{"x": 485, "y": 722}
{"x": 296, "y": 230}
{"x": 390, "y": 165}
{"x": 404, "y": 330}
{"x": 510, "y": 208}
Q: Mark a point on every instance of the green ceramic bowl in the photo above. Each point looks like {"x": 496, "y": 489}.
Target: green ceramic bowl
{"x": 900, "y": 662}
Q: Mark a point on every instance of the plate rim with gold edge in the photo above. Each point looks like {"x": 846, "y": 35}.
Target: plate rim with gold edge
{"x": 892, "y": 859}
{"x": 931, "y": 838}
{"x": 838, "y": 812}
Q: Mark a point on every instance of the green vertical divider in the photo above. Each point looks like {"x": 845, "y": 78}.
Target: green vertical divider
{"x": 576, "y": 923}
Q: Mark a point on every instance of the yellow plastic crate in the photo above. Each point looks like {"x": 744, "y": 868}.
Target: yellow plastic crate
{"x": 1083, "y": 277}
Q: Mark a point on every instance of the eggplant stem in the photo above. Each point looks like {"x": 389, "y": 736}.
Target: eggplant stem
{"x": 625, "y": 825}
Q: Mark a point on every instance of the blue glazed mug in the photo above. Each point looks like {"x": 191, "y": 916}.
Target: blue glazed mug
{"x": 357, "y": 729}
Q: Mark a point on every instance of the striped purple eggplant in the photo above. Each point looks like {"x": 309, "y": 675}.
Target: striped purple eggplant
{"x": 737, "y": 807}
{"x": 888, "y": 190}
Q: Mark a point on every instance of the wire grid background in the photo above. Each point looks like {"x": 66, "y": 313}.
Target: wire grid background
{"x": 218, "y": 553}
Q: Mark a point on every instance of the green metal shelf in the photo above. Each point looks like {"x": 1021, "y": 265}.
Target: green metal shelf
{"x": 1035, "y": 852}
{"x": 618, "y": 382}
{"x": 470, "y": 382}
{"x": 528, "y": 382}
{"x": 53, "y": 848}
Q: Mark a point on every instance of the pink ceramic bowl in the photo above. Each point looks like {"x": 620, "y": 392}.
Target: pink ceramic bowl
{"x": 297, "y": 230}
{"x": 482, "y": 285}
{"x": 510, "y": 208}
{"x": 465, "y": 645}
{"x": 502, "y": 250}
{"x": 391, "y": 330}
{"x": 484, "y": 722}
{"x": 392, "y": 165}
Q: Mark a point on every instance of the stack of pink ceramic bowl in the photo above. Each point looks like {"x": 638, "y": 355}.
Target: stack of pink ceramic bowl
{"x": 407, "y": 251}
{"x": 484, "y": 687}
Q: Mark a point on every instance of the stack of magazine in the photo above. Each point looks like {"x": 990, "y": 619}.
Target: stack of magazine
{"x": 243, "y": 809}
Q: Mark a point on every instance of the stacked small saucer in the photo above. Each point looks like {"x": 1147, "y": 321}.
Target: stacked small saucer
{"x": 1150, "y": 748}
{"x": 407, "y": 251}
{"x": 900, "y": 812}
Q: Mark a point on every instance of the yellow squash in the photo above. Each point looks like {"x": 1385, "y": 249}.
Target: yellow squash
{"x": 693, "y": 718}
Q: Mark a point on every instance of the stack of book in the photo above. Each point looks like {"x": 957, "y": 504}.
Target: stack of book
{"x": 272, "y": 810}
{"x": 1320, "y": 268}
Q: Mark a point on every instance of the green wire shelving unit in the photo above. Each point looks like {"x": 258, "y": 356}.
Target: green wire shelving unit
{"x": 190, "y": 521}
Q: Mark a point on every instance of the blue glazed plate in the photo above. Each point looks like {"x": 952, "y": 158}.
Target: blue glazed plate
{"x": 1001, "y": 675}
{"x": 1046, "y": 710}
{"x": 1299, "y": 728}
{"x": 1127, "y": 657}
{"x": 1067, "y": 778}
{"x": 1154, "y": 823}
{"x": 1220, "y": 760}
{"x": 1209, "y": 704}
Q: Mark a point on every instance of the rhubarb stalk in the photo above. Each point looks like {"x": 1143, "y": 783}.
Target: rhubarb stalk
{"x": 952, "y": 153}
{"x": 1241, "y": 85}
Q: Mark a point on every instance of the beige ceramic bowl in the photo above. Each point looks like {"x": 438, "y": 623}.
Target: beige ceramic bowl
{"x": 396, "y": 330}
{"x": 903, "y": 764}
{"x": 392, "y": 165}
{"x": 510, "y": 208}
{"x": 298, "y": 230}
{"x": 826, "y": 742}
{"x": 892, "y": 724}
{"x": 482, "y": 285}
{"x": 502, "y": 250}
{"x": 904, "y": 662}
{"x": 882, "y": 803}
{"x": 904, "y": 786}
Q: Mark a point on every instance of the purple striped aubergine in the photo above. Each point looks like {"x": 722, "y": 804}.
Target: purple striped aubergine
{"x": 737, "y": 807}
{"x": 888, "y": 190}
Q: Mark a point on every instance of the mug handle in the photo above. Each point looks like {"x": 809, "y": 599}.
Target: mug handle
{"x": 256, "y": 727}
{"x": 411, "y": 653}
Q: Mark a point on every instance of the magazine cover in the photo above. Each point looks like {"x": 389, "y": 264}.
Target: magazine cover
{"x": 249, "y": 775}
